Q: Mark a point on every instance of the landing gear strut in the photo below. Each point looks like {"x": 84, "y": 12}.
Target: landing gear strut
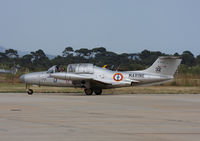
{"x": 88, "y": 91}
{"x": 29, "y": 91}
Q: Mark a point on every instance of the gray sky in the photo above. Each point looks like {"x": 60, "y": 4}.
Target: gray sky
{"x": 119, "y": 25}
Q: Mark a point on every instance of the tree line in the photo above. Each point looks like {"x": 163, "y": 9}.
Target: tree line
{"x": 100, "y": 56}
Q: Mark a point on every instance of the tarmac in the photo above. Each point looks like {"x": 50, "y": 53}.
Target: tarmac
{"x": 120, "y": 117}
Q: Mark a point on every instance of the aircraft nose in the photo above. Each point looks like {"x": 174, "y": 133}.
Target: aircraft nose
{"x": 22, "y": 78}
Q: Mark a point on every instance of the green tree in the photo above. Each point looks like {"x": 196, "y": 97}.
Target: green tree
{"x": 188, "y": 58}
{"x": 40, "y": 60}
{"x": 26, "y": 61}
{"x": 198, "y": 60}
{"x": 67, "y": 51}
{"x": 83, "y": 52}
{"x": 99, "y": 50}
{"x": 11, "y": 53}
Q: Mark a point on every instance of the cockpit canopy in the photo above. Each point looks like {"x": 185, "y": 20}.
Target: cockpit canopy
{"x": 53, "y": 69}
{"x": 80, "y": 68}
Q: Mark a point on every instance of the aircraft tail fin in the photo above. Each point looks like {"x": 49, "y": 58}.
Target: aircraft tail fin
{"x": 164, "y": 65}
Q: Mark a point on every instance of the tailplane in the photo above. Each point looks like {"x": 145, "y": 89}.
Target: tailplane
{"x": 164, "y": 65}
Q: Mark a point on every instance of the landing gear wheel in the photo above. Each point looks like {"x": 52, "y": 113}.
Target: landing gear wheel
{"x": 88, "y": 91}
{"x": 98, "y": 91}
{"x": 30, "y": 91}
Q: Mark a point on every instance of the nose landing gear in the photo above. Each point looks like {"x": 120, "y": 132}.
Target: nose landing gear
{"x": 29, "y": 91}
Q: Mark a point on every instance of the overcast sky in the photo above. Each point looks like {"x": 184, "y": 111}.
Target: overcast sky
{"x": 119, "y": 25}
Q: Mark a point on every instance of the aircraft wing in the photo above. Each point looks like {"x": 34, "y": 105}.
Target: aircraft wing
{"x": 79, "y": 77}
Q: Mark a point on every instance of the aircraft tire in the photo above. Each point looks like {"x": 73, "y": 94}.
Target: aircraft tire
{"x": 30, "y": 91}
{"x": 98, "y": 91}
{"x": 88, "y": 91}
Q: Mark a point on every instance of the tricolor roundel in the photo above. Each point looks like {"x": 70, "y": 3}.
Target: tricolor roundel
{"x": 118, "y": 77}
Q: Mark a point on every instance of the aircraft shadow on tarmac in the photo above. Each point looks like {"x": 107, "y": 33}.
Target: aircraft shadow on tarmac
{"x": 77, "y": 94}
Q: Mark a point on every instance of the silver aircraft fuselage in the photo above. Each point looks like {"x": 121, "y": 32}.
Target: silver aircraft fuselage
{"x": 100, "y": 74}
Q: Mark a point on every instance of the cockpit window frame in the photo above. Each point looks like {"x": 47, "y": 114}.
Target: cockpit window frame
{"x": 81, "y": 68}
{"x": 53, "y": 69}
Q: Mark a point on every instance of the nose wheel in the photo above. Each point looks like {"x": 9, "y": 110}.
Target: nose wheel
{"x": 30, "y": 91}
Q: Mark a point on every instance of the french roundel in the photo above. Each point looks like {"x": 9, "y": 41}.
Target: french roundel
{"x": 118, "y": 77}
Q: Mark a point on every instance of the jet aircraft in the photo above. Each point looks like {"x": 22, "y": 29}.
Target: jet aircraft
{"x": 3, "y": 71}
{"x": 93, "y": 78}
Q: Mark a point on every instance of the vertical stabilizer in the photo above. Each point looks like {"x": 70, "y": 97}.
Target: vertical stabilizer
{"x": 165, "y": 65}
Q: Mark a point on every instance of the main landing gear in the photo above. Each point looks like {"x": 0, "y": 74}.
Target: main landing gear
{"x": 89, "y": 91}
{"x": 98, "y": 91}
